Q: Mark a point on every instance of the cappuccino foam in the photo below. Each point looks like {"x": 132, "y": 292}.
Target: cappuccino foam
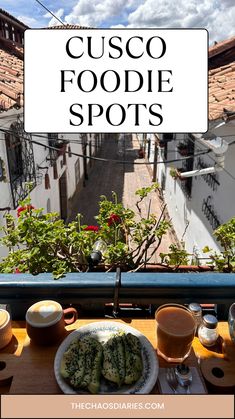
{"x": 44, "y": 313}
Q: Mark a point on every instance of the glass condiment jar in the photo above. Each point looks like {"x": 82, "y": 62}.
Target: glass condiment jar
{"x": 196, "y": 311}
{"x": 208, "y": 330}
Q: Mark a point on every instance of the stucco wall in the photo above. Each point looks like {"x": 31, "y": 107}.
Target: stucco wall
{"x": 48, "y": 199}
{"x": 184, "y": 211}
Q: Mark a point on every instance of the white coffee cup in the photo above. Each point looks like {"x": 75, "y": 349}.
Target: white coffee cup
{"x": 5, "y": 328}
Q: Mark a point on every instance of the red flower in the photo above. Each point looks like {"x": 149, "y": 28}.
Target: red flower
{"x": 114, "y": 219}
{"x": 17, "y": 271}
{"x": 91, "y": 228}
{"x": 27, "y": 207}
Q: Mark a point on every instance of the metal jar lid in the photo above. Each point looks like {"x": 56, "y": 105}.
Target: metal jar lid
{"x": 195, "y": 308}
{"x": 210, "y": 321}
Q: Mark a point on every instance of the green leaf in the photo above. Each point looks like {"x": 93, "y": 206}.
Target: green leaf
{"x": 206, "y": 249}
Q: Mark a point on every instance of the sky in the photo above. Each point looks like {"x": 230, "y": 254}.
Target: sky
{"x": 217, "y": 16}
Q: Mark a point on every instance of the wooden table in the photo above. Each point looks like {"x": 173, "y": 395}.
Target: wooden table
{"x": 29, "y": 368}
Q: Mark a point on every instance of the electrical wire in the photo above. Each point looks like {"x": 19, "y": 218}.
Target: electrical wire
{"x": 110, "y": 139}
{"x": 103, "y": 159}
{"x": 201, "y": 152}
{"x": 48, "y": 10}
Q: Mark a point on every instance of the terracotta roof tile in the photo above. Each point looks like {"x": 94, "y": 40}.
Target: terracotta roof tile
{"x": 5, "y": 102}
{"x": 221, "y": 47}
{"x": 3, "y": 12}
{"x": 67, "y": 26}
{"x": 11, "y": 80}
{"x": 11, "y": 70}
{"x": 222, "y": 80}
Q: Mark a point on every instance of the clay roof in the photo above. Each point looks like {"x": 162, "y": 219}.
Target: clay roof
{"x": 11, "y": 71}
{"x": 11, "y": 80}
{"x": 222, "y": 80}
{"x": 219, "y": 47}
{"x": 3, "y": 12}
{"x": 67, "y": 26}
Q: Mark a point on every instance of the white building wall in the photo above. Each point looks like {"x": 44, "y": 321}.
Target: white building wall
{"x": 48, "y": 199}
{"x": 76, "y": 147}
{"x": 188, "y": 219}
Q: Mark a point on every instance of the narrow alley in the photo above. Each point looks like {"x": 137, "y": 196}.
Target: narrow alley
{"x": 122, "y": 178}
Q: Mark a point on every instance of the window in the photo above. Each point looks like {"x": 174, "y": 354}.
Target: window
{"x": 53, "y": 142}
{"x": 187, "y": 166}
{"x": 14, "y": 153}
{"x": 168, "y": 136}
{"x": 7, "y": 35}
{"x": 20, "y": 161}
{"x": 13, "y": 33}
{"x": 2, "y": 171}
{"x": 165, "y": 139}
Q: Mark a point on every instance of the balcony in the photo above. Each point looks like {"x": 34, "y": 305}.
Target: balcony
{"x": 99, "y": 294}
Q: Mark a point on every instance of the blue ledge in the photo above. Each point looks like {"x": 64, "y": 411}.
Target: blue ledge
{"x": 94, "y": 289}
{"x": 135, "y": 287}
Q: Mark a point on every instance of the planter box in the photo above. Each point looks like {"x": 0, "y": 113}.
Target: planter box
{"x": 183, "y": 151}
{"x": 141, "y": 153}
{"x": 94, "y": 289}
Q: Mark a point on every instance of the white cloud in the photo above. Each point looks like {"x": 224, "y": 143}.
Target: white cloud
{"x": 217, "y": 17}
{"x": 118, "y": 26}
{"x": 29, "y": 21}
{"x": 96, "y": 12}
{"x": 53, "y": 21}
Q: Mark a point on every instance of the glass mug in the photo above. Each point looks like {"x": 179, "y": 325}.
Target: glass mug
{"x": 176, "y": 329}
{"x": 231, "y": 321}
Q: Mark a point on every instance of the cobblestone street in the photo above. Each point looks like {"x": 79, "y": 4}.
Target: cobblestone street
{"x": 124, "y": 179}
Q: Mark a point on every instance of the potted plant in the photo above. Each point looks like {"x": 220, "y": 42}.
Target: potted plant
{"x": 182, "y": 149}
{"x": 141, "y": 152}
{"x": 40, "y": 242}
{"x": 176, "y": 173}
{"x": 161, "y": 143}
{"x": 62, "y": 149}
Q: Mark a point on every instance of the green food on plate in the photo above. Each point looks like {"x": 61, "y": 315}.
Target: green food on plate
{"x": 118, "y": 361}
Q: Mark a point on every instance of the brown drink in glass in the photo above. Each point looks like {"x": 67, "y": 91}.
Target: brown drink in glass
{"x": 175, "y": 332}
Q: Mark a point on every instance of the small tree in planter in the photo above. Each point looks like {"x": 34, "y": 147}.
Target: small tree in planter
{"x": 225, "y": 234}
{"x": 177, "y": 256}
{"x": 176, "y": 173}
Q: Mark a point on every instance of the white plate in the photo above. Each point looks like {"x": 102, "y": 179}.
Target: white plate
{"x": 102, "y": 331}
